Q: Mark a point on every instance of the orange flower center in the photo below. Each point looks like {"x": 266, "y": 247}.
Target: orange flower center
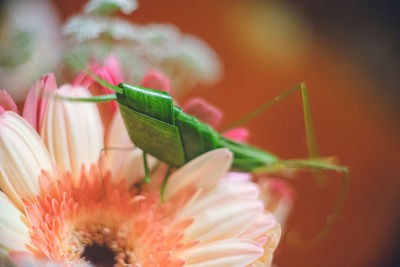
{"x": 102, "y": 246}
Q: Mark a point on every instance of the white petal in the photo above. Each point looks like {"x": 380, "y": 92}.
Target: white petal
{"x": 228, "y": 252}
{"x": 226, "y": 220}
{"x": 272, "y": 237}
{"x": 224, "y": 192}
{"x": 23, "y": 156}
{"x": 267, "y": 231}
{"x": 117, "y": 134}
{"x": 73, "y": 131}
{"x": 264, "y": 223}
{"x": 202, "y": 172}
{"x": 237, "y": 176}
{"x": 12, "y": 240}
{"x": 14, "y": 234}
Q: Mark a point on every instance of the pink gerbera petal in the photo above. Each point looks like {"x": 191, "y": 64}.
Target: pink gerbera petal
{"x": 237, "y": 134}
{"x": 203, "y": 111}
{"x": 37, "y": 99}
{"x": 111, "y": 72}
{"x": 156, "y": 80}
{"x": 7, "y": 103}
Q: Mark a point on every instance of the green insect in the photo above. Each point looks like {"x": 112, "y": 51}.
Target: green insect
{"x": 162, "y": 129}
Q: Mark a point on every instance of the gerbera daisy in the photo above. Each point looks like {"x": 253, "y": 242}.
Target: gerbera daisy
{"x": 61, "y": 204}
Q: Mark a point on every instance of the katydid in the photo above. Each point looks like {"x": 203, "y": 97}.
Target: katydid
{"x": 162, "y": 129}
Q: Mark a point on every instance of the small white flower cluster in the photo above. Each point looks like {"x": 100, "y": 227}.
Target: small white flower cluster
{"x": 101, "y": 6}
{"x": 184, "y": 58}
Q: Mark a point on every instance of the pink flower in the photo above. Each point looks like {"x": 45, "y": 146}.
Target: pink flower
{"x": 203, "y": 111}
{"x": 111, "y": 72}
{"x": 156, "y": 80}
{"x": 239, "y": 134}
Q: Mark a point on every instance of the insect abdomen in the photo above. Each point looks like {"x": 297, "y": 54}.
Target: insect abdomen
{"x": 247, "y": 158}
{"x": 198, "y": 138}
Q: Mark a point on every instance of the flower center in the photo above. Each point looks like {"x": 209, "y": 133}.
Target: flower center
{"x": 103, "y": 246}
{"x": 99, "y": 256}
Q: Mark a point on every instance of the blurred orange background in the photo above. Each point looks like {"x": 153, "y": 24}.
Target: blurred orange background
{"x": 267, "y": 47}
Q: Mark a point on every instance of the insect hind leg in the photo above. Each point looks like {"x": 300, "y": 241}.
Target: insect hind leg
{"x": 309, "y": 127}
{"x": 316, "y": 164}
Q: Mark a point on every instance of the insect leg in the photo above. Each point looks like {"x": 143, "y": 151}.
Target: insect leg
{"x": 263, "y": 107}
{"x": 316, "y": 164}
{"x": 310, "y": 133}
{"x": 164, "y": 184}
{"x": 146, "y": 168}
{"x": 309, "y": 127}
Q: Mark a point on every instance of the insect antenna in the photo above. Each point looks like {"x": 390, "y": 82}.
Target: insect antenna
{"x": 100, "y": 163}
{"x": 93, "y": 99}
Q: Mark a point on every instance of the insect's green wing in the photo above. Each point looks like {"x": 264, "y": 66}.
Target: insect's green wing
{"x": 155, "y": 104}
{"x": 149, "y": 119}
{"x": 197, "y": 137}
{"x": 162, "y": 129}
